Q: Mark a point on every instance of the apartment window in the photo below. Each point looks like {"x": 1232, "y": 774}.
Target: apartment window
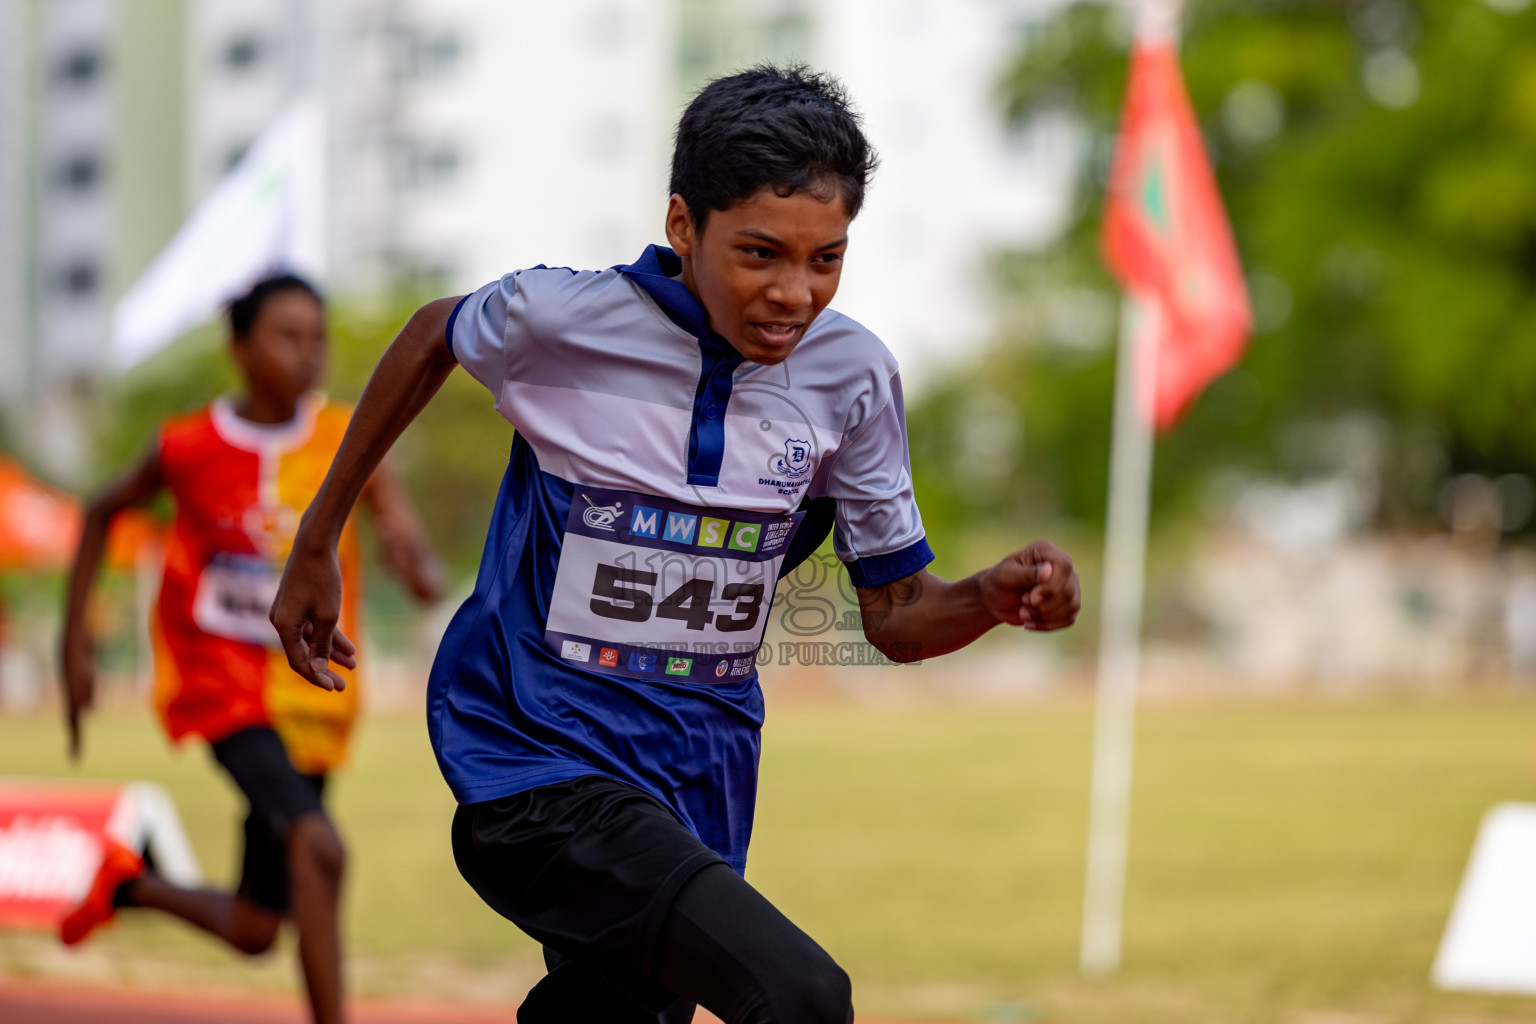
{"x": 242, "y": 53}
{"x": 426, "y": 165}
{"x": 234, "y": 154}
{"x": 435, "y": 53}
{"x": 80, "y": 67}
{"x": 78, "y": 279}
{"x": 440, "y": 164}
{"x": 81, "y": 172}
{"x": 424, "y": 53}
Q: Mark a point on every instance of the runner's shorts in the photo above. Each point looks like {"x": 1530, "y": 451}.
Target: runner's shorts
{"x": 278, "y": 794}
{"x": 588, "y": 867}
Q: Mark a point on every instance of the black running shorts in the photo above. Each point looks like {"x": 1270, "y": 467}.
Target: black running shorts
{"x": 278, "y": 794}
{"x": 588, "y": 867}
{"x": 639, "y": 919}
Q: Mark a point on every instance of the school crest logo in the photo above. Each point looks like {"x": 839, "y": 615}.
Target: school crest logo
{"x": 795, "y": 462}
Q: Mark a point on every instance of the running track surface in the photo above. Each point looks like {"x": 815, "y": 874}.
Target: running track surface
{"x": 25, "y": 1003}
{"x": 55, "y": 1004}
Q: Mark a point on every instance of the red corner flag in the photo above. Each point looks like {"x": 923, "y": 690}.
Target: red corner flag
{"x": 1166, "y": 235}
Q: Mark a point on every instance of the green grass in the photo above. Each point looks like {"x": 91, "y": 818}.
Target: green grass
{"x": 1289, "y": 861}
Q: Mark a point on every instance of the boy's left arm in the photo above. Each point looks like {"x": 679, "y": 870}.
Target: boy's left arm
{"x": 403, "y": 541}
{"x": 924, "y": 616}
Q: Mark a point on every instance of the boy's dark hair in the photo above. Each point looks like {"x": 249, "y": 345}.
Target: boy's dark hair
{"x": 244, "y": 310}
{"x": 791, "y": 129}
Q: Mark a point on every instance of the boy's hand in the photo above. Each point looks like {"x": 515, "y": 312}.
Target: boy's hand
{"x": 409, "y": 556}
{"x": 79, "y": 668}
{"x": 305, "y": 612}
{"x": 1035, "y": 588}
{"x": 402, "y": 539}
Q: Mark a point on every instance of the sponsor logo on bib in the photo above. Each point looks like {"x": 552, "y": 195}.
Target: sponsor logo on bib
{"x": 712, "y": 532}
{"x": 601, "y": 517}
{"x": 645, "y": 522}
{"x": 745, "y": 536}
{"x": 679, "y": 666}
{"x": 680, "y": 527}
{"x": 573, "y": 651}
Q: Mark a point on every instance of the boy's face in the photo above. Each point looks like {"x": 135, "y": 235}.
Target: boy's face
{"x": 764, "y": 268}
{"x": 284, "y": 355}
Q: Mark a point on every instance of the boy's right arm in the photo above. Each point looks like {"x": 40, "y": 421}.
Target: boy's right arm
{"x": 308, "y": 602}
{"x": 77, "y": 659}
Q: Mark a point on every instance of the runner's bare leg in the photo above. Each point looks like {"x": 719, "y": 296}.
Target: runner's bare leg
{"x": 246, "y": 926}
{"x": 316, "y": 863}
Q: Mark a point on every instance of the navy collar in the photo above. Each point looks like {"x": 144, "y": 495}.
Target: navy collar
{"x": 658, "y": 271}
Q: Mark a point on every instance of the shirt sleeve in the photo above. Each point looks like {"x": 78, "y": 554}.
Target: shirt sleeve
{"x": 878, "y": 532}
{"x": 477, "y": 332}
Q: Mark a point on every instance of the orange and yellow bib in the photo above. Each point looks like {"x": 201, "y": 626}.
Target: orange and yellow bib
{"x": 240, "y": 488}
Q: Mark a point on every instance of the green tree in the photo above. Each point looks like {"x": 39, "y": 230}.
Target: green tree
{"x": 1376, "y": 158}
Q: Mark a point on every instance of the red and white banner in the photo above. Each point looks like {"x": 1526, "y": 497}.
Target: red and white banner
{"x": 51, "y": 842}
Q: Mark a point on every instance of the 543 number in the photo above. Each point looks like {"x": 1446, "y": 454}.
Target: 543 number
{"x": 615, "y": 595}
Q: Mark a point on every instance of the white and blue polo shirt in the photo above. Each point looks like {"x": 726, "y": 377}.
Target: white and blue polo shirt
{"x": 654, "y": 496}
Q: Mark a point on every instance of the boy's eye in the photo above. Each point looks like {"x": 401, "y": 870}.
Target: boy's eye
{"x": 829, "y": 257}
{"x": 761, "y": 252}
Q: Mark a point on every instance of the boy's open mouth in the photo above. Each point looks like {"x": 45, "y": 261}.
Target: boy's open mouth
{"x": 776, "y": 333}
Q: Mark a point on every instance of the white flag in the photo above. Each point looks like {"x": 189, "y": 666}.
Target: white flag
{"x": 267, "y": 216}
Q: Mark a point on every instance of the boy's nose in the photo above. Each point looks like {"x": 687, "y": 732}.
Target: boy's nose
{"x": 791, "y": 289}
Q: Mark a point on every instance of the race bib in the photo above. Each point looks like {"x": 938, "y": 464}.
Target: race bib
{"x": 234, "y": 596}
{"x": 650, "y": 588}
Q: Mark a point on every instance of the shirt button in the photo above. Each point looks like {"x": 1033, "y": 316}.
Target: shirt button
{"x": 711, "y": 412}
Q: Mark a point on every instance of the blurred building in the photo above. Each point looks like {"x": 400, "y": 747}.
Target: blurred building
{"x": 90, "y": 188}
{"x": 530, "y": 133}
{"x": 469, "y": 137}
{"x": 466, "y": 138}
{"x": 15, "y": 135}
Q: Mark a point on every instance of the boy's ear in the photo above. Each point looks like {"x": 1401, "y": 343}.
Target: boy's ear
{"x": 681, "y": 235}
{"x": 239, "y": 351}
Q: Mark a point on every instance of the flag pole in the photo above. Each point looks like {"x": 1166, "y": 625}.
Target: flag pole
{"x": 1142, "y": 328}
{"x": 1125, "y": 547}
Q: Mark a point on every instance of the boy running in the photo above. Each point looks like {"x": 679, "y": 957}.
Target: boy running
{"x": 241, "y": 472}
{"x": 688, "y": 426}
